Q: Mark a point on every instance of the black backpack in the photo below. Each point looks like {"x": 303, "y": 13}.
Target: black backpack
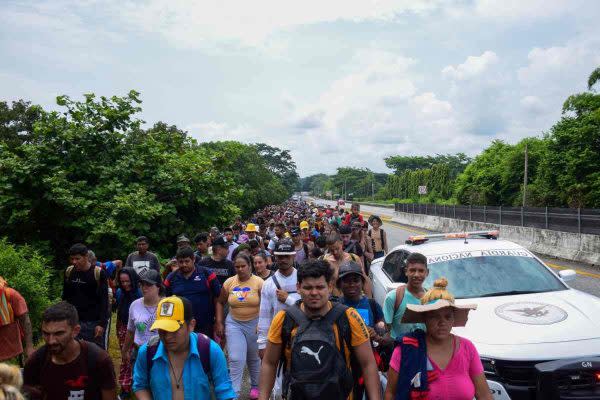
{"x": 318, "y": 369}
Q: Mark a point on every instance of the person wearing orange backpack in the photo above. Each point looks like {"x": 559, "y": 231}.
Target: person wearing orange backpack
{"x": 15, "y": 326}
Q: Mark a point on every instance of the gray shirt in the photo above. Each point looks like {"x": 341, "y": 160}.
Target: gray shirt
{"x": 141, "y": 264}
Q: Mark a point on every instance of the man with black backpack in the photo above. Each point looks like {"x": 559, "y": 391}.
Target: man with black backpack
{"x": 180, "y": 364}
{"x": 316, "y": 343}
{"x": 86, "y": 287}
{"x": 67, "y": 368}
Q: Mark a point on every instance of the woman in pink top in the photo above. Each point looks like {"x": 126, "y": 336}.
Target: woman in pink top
{"x": 437, "y": 365}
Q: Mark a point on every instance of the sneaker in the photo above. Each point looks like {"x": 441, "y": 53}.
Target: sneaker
{"x": 254, "y": 393}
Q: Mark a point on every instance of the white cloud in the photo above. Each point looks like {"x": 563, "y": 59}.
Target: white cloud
{"x": 376, "y": 110}
{"x": 532, "y": 104}
{"x": 472, "y": 67}
{"x": 217, "y": 131}
{"x": 520, "y": 9}
{"x": 560, "y": 62}
{"x": 189, "y": 23}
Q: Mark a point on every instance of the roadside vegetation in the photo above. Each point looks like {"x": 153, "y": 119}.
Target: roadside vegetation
{"x": 93, "y": 172}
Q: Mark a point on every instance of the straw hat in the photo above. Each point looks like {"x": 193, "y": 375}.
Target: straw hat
{"x": 435, "y": 299}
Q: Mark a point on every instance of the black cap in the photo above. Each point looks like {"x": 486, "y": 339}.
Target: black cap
{"x": 220, "y": 241}
{"x": 349, "y": 268}
{"x": 284, "y": 247}
{"x": 151, "y": 276}
{"x": 295, "y": 231}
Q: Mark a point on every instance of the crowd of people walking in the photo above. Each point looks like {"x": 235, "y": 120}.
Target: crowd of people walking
{"x": 285, "y": 296}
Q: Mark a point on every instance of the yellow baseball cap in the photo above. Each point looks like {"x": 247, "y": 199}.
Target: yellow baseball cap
{"x": 171, "y": 313}
{"x": 304, "y": 225}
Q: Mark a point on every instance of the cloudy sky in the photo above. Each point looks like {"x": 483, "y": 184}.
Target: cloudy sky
{"x": 338, "y": 82}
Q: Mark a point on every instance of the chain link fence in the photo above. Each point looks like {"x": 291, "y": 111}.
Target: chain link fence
{"x": 578, "y": 220}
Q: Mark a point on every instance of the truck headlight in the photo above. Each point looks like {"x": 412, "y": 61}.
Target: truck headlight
{"x": 489, "y": 366}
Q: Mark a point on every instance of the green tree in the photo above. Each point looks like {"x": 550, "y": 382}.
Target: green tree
{"x": 456, "y": 162}
{"x": 280, "y": 163}
{"x": 570, "y": 173}
{"x": 256, "y": 186}
{"x": 480, "y": 183}
{"x": 25, "y": 271}
{"x": 16, "y": 122}
{"x": 90, "y": 173}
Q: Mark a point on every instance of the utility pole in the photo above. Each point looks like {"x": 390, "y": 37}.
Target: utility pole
{"x": 525, "y": 178}
{"x": 373, "y": 187}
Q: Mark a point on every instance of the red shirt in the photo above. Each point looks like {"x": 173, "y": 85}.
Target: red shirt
{"x": 349, "y": 218}
{"x": 10, "y": 335}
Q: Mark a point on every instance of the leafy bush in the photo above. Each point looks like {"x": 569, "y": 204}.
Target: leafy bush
{"x": 26, "y": 272}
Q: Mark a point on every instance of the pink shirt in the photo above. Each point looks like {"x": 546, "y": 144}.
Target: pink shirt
{"x": 456, "y": 381}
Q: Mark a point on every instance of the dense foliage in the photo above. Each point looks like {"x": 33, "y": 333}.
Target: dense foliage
{"x": 91, "y": 173}
{"x": 26, "y": 271}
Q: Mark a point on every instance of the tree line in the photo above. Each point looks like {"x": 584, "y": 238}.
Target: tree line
{"x": 91, "y": 172}
{"x": 563, "y": 167}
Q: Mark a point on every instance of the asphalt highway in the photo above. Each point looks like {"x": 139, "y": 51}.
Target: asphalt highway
{"x": 588, "y": 277}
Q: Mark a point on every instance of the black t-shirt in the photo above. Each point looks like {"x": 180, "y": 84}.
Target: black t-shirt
{"x": 223, "y": 269}
{"x": 82, "y": 378}
{"x": 89, "y": 297}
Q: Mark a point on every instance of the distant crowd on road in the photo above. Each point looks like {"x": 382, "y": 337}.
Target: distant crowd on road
{"x": 285, "y": 295}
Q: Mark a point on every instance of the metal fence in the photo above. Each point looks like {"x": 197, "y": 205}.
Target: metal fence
{"x": 579, "y": 220}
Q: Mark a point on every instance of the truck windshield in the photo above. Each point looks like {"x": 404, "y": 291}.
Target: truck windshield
{"x": 483, "y": 276}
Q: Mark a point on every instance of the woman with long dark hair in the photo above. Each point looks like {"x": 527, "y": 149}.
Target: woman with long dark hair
{"x": 127, "y": 292}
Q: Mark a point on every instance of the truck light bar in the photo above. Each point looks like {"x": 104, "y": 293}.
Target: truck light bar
{"x": 420, "y": 239}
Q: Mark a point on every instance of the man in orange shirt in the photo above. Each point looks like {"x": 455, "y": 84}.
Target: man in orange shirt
{"x": 314, "y": 340}
{"x": 14, "y": 324}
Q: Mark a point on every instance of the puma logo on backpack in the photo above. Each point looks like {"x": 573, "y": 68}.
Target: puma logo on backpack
{"x": 306, "y": 350}
{"x": 317, "y": 367}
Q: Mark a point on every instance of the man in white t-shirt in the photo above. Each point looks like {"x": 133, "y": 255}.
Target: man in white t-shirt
{"x": 278, "y": 292}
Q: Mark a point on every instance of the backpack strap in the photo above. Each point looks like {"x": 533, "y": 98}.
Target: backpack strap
{"x": 373, "y": 306}
{"x": 93, "y": 353}
{"x": 276, "y": 282}
{"x": 97, "y": 272}
{"x": 305, "y": 248}
{"x": 337, "y": 315}
{"x": 204, "y": 352}
{"x": 293, "y": 317}
{"x": 278, "y": 285}
{"x": 151, "y": 349}
{"x": 68, "y": 271}
{"x": 400, "y": 292}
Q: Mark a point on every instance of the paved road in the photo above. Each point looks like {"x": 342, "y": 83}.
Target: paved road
{"x": 588, "y": 277}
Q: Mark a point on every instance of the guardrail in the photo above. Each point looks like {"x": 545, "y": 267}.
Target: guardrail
{"x": 578, "y": 220}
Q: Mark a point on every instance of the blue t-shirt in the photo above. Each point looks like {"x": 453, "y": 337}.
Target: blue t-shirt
{"x": 109, "y": 266}
{"x": 370, "y": 311}
{"x": 200, "y": 289}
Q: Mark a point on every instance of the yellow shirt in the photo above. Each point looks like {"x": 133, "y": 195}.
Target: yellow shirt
{"x": 358, "y": 332}
{"x": 244, "y": 297}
